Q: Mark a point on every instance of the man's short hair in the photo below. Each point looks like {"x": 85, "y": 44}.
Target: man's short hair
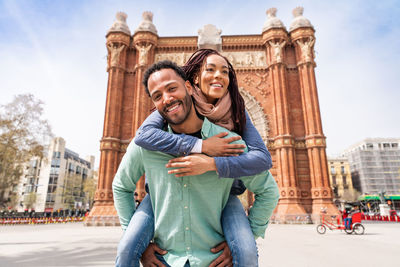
{"x": 165, "y": 64}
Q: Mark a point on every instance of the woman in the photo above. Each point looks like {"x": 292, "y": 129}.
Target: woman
{"x": 216, "y": 96}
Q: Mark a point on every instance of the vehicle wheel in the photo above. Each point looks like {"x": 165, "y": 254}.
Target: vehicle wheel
{"x": 348, "y": 231}
{"x": 359, "y": 229}
{"x": 321, "y": 229}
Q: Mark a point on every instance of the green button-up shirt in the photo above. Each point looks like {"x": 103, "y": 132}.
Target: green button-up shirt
{"x": 187, "y": 211}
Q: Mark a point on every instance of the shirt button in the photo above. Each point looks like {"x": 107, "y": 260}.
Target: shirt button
{"x": 187, "y": 228}
{"x": 188, "y": 248}
{"x": 184, "y": 185}
{"x": 186, "y": 207}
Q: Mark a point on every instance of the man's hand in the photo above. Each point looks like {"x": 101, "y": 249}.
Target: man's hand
{"x": 194, "y": 164}
{"x": 225, "y": 259}
{"x": 148, "y": 258}
{"x": 217, "y": 146}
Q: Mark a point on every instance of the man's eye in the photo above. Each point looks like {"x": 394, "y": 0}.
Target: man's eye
{"x": 156, "y": 97}
{"x": 172, "y": 89}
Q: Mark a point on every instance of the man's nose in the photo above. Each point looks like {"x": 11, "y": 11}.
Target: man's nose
{"x": 167, "y": 98}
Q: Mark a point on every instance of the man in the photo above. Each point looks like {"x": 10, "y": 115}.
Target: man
{"x": 187, "y": 210}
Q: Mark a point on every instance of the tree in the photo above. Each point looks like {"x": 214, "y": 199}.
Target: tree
{"x": 71, "y": 191}
{"x": 23, "y": 134}
{"x": 89, "y": 188}
{"x": 30, "y": 200}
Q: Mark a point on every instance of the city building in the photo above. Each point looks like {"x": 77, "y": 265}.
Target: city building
{"x": 340, "y": 178}
{"x": 375, "y": 165}
{"x": 55, "y": 181}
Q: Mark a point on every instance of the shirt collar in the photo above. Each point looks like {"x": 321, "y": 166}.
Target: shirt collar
{"x": 205, "y": 129}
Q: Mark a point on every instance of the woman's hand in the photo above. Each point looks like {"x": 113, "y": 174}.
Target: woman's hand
{"x": 194, "y": 164}
{"x": 217, "y": 146}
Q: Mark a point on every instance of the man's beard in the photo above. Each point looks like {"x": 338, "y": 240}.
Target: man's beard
{"x": 186, "y": 107}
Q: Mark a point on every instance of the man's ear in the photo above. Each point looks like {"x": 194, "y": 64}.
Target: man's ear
{"x": 196, "y": 80}
{"x": 189, "y": 87}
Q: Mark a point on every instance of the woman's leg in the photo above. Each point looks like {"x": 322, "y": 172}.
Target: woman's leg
{"x": 137, "y": 236}
{"x": 238, "y": 234}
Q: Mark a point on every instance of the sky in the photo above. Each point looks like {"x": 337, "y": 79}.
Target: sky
{"x": 56, "y": 51}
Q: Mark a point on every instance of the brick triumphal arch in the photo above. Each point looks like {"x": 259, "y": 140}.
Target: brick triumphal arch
{"x": 275, "y": 71}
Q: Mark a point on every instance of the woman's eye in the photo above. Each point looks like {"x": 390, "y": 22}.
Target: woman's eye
{"x": 209, "y": 69}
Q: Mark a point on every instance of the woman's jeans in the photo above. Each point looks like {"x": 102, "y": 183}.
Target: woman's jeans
{"x": 234, "y": 222}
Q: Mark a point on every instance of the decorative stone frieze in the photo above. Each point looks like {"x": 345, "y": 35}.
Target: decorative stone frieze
{"x": 248, "y": 60}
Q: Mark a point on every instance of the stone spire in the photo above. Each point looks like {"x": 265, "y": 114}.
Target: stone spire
{"x": 272, "y": 21}
{"x": 299, "y": 20}
{"x": 147, "y": 23}
{"x": 119, "y": 24}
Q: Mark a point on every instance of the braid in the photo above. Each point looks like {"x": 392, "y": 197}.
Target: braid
{"x": 192, "y": 69}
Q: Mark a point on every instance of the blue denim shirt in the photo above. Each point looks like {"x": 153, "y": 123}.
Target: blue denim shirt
{"x": 258, "y": 159}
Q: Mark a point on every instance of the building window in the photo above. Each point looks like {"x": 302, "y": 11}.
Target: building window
{"x": 333, "y": 171}
{"x": 344, "y": 180}
{"x": 370, "y": 146}
{"x": 342, "y": 169}
{"x": 334, "y": 180}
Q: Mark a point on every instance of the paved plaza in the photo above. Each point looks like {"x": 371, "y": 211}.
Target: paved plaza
{"x": 73, "y": 244}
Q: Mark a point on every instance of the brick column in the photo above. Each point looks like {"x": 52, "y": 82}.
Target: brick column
{"x": 321, "y": 193}
{"x": 275, "y": 40}
{"x": 103, "y": 212}
{"x": 145, "y": 43}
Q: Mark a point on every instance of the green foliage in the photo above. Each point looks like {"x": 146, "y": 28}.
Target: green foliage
{"x": 30, "y": 200}
{"x": 23, "y": 134}
{"x": 89, "y": 188}
{"x": 71, "y": 191}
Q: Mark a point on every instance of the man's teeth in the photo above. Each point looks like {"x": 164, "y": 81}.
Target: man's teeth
{"x": 173, "y": 108}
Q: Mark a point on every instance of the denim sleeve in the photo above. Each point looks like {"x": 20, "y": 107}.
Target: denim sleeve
{"x": 255, "y": 161}
{"x": 151, "y": 137}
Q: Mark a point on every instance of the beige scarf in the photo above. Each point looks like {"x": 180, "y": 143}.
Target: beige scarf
{"x": 220, "y": 113}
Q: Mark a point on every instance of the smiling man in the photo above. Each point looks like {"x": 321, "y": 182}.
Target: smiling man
{"x": 187, "y": 210}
